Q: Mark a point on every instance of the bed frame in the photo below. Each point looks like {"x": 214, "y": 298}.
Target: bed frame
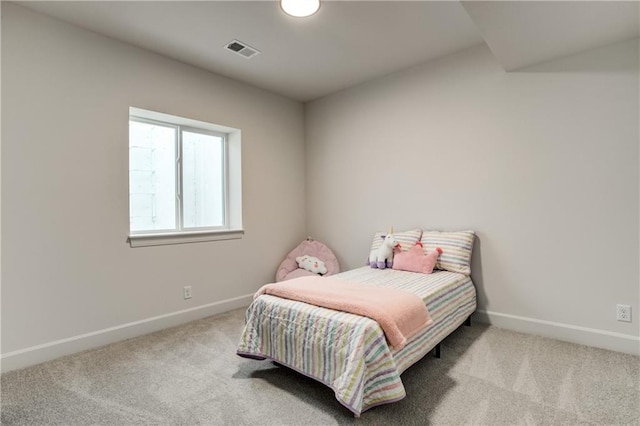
{"x": 436, "y": 350}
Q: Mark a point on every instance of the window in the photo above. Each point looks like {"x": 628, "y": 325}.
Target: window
{"x": 183, "y": 180}
{"x": 177, "y": 177}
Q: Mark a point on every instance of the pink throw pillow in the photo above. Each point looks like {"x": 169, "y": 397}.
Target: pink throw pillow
{"x": 414, "y": 260}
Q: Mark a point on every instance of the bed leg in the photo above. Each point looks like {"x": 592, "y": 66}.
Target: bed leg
{"x": 467, "y": 322}
{"x": 437, "y": 351}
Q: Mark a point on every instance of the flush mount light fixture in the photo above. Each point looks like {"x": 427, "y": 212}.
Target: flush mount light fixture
{"x": 300, "y": 8}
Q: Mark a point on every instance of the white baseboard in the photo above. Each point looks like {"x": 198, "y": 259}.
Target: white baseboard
{"x": 45, "y": 352}
{"x": 52, "y": 350}
{"x": 571, "y": 333}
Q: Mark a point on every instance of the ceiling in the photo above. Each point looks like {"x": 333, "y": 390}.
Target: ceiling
{"x": 524, "y": 33}
{"x": 348, "y": 42}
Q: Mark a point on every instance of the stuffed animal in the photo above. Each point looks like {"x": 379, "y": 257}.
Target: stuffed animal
{"x": 383, "y": 257}
{"x": 311, "y": 264}
{"x": 415, "y": 260}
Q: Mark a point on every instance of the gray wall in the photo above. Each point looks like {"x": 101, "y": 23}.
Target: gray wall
{"x": 66, "y": 268}
{"x": 542, "y": 163}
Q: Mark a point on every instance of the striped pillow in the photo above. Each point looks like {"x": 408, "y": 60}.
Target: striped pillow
{"x": 407, "y": 239}
{"x": 456, "y": 249}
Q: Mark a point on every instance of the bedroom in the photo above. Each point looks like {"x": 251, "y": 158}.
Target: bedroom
{"x": 541, "y": 161}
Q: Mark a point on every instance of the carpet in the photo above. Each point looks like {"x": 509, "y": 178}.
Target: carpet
{"x": 190, "y": 374}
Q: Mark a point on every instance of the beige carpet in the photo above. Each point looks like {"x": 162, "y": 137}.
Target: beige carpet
{"x": 190, "y": 375}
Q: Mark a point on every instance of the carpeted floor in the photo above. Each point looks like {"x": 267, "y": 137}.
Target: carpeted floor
{"x": 190, "y": 375}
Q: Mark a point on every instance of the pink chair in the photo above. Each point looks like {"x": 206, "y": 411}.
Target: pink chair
{"x": 289, "y": 267}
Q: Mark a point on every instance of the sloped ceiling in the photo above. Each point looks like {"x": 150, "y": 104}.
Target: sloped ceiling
{"x": 525, "y": 33}
{"x": 348, "y": 42}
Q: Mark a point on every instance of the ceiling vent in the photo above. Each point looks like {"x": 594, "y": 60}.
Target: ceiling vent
{"x": 242, "y": 49}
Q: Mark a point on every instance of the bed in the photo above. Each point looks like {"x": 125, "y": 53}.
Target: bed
{"x": 348, "y": 352}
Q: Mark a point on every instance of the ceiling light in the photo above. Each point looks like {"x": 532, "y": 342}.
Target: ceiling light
{"x": 300, "y": 8}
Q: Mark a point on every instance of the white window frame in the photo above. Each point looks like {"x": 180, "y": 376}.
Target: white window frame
{"x": 232, "y": 193}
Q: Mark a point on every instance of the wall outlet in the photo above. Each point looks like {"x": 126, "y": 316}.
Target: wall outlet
{"x": 186, "y": 292}
{"x": 623, "y": 313}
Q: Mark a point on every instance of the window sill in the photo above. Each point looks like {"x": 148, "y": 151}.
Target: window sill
{"x": 145, "y": 240}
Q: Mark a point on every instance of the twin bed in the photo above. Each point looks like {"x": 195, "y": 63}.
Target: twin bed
{"x": 348, "y": 352}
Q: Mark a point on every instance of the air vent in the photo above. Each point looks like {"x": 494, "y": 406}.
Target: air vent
{"x": 242, "y": 49}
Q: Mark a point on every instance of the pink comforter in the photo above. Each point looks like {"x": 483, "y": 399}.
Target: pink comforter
{"x": 399, "y": 313}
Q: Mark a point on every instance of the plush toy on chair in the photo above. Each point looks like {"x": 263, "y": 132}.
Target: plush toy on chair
{"x": 311, "y": 264}
{"x": 383, "y": 257}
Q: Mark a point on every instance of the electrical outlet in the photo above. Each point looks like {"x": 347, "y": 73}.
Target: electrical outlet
{"x": 186, "y": 292}
{"x": 623, "y": 313}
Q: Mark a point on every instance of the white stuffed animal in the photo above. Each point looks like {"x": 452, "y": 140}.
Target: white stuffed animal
{"x": 383, "y": 257}
{"x": 312, "y": 264}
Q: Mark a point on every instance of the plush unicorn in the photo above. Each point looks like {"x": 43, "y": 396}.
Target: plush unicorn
{"x": 383, "y": 257}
